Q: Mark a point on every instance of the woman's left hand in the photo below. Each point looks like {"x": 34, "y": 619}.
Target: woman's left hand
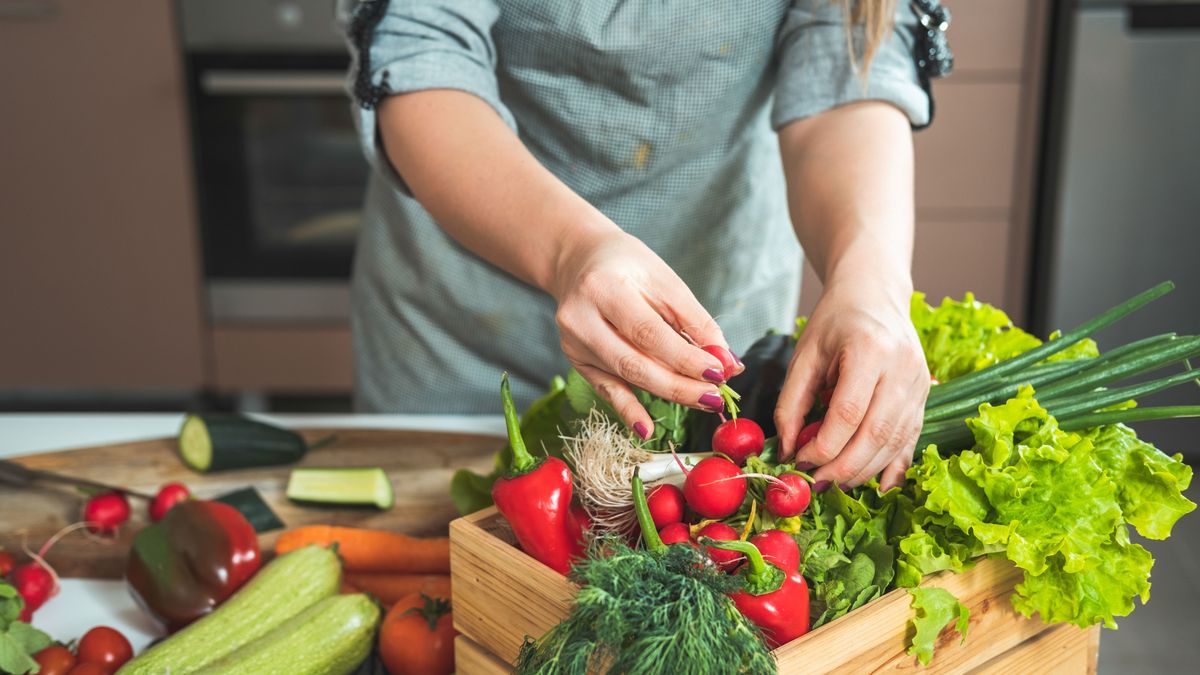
{"x": 861, "y": 342}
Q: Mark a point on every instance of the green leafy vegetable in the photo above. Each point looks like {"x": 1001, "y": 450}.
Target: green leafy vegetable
{"x": 18, "y": 640}
{"x": 934, "y": 609}
{"x": 637, "y": 612}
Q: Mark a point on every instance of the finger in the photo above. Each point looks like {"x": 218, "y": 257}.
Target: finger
{"x": 621, "y": 398}
{"x": 893, "y": 475}
{"x": 650, "y": 334}
{"x": 885, "y": 432}
{"x": 858, "y": 376}
{"x": 796, "y": 398}
{"x": 617, "y": 357}
{"x": 682, "y": 310}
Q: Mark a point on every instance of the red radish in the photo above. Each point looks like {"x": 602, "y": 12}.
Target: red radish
{"x": 168, "y": 495}
{"x": 726, "y": 560}
{"x": 666, "y": 505}
{"x": 106, "y": 512}
{"x": 104, "y": 646}
{"x": 676, "y": 533}
{"x": 808, "y": 433}
{"x": 788, "y": 497}
{"x": 714, "y": 488}
{"x": 6, "y": 563}
{"x": 729, "y": 364}
{"x": 738, "y": 439}
{"x": 778, "y": 547}
{"x": 35, "y": 584}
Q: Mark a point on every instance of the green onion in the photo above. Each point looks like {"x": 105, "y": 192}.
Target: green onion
{"x": 1097, "y": 419}
{"x": 1094, "y": 400}
{"x": 980, "y": 380}
{"x": 1181, "y": 348}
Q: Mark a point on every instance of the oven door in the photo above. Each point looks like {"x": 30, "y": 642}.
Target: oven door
{"x": 280, "y": 183}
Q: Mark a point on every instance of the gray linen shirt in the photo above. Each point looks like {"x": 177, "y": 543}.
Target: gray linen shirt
{"x": 661, "y": 113}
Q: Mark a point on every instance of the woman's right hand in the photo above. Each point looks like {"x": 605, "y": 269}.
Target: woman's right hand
{"x": 621, "y": 315}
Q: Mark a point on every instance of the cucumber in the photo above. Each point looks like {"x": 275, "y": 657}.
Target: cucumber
{"x": 342, "y": 486}
{"x": 285, "y": 587}
{"x": 216, "y": 442}
{"x": 329, "y": 638}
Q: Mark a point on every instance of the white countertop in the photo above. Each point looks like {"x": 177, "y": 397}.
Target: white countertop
{"x": 24, "y": 434}
{"x": 82, "y": 604}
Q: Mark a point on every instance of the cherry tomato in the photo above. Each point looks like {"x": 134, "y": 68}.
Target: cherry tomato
{"x": 105, "y": 647}
{"x": 54, "y": 660}
{"x": 88, "y": 669}
{"x": 417, "y": 637}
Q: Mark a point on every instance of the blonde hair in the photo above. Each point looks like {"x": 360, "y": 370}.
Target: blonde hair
{"x": 875, "y": 17}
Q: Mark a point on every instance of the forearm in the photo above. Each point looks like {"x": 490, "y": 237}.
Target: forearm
{"x": 481, "y": 184}
{"x": 850, "y": 190}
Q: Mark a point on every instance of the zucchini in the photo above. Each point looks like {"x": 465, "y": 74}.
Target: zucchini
{"x": 329, "y": 638}
{"x": 250, "y": 504}
{"x": 370, "y": 487}
{"x": 216, "y": 442}
{"x": 282, "y": 589}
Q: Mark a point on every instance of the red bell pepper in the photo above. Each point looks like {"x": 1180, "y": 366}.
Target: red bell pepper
{"x": 535, "y": 497}
{"x": 776, "y": 600}
{"x": 183, "y": 566}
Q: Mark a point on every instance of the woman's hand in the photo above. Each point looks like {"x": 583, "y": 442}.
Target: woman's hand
{"x": 861, "y": 342}
{"x": 621, "y": 312}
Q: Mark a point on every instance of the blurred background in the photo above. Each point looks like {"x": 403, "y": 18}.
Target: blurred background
{"x": 180, "y": 189}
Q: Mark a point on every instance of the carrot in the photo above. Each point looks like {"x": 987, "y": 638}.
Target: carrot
{"x": 388, "y": 588}
{"x": 364, "y": 550}
{"x": 348, "y": 588}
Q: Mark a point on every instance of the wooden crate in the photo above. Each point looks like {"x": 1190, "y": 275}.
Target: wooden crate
{"x": 502, "y": 595}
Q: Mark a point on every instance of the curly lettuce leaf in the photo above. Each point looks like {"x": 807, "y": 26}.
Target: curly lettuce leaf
{"x": 1150, "y": 483}
{"x": 934, "y": 609}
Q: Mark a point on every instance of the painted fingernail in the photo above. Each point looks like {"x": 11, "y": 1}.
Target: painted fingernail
{"x": 845, "y": 487}
{"x": 821, "y": 485}
{"x": 713, "y": 375}
{"x": 805, "y": 466}
{"x": 737, "y": 359}
{"x": 641, "y": 430}
{"x": 712, "y": 400}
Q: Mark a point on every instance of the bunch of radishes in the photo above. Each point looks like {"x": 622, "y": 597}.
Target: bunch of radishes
{"x": 103, "y": 514}
{"x": 715, "y": 489}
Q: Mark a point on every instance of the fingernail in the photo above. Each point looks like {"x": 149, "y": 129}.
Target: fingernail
{"x": 845, "y": 487}
{"x": 641, "y": 430}
{"x": 737, "y": 359}
{"x": 712, "y": 400}
{"x": 821, "y": 485}
{"x": 713, "y": 375}
{"x": 805, "y": 466}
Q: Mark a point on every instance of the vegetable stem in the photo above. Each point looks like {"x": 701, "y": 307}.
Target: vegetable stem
{"x": 654, "y": 543}
{"x": 761, "y": 577}
{"x": 522, "y": 461}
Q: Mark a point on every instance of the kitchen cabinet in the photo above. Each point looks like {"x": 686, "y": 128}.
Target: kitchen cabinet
{"x": 976, "y": 165}
{"x": 98, "y": 252}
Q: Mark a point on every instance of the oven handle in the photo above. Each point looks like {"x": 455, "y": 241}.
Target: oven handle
{"x": 273, "y": 82}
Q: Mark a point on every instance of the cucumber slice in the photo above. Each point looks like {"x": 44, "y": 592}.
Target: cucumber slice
{"x": 369, "y": 487}
{"x": 216, "y": 442}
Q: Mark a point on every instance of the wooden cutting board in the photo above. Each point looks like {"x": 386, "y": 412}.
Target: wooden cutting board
{"x": 420, "y": 464}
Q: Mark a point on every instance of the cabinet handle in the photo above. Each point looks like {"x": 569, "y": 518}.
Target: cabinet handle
{"x": 273, "y": 83}
{"x": 28, "y": 10}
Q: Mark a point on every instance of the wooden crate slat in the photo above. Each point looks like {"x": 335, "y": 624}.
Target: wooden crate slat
{"x": 471, "y": 659}
{"x": 1060, "y": 649}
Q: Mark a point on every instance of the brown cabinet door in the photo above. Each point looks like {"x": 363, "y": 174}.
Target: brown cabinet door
{"x": 99, "y": 270}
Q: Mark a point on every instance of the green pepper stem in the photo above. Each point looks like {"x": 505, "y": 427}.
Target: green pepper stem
{"x": 521, "y": 459}
{"x": 761, "y": 577}
{"x": 654, "y": 543}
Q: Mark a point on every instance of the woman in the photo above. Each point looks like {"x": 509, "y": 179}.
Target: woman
{"x": 597, "y": 184}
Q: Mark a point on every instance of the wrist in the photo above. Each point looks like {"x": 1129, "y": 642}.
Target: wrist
{"x": 571, "y": 245}
{"x": 875, "y": 273}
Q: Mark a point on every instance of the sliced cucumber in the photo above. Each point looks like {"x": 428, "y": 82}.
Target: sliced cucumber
{"x": 342, "y": 486}
{"x": 216, "y": 442}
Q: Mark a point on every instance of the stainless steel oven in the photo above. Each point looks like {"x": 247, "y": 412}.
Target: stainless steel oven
{"x": 279, "y": 174}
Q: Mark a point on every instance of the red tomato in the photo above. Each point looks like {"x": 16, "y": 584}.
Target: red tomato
{"x": 88, "y": 669}
{"x": 417, "y": 637}
{"x": 105, "y": 647}
{"x": 54, "y": 660}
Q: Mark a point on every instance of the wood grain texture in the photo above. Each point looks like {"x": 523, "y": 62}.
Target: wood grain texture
{"x": 419, "y": 463}
{"x": 502, "y": 595}
{"x": 471, "y": 659}
{"x": 1061, "y": 649}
